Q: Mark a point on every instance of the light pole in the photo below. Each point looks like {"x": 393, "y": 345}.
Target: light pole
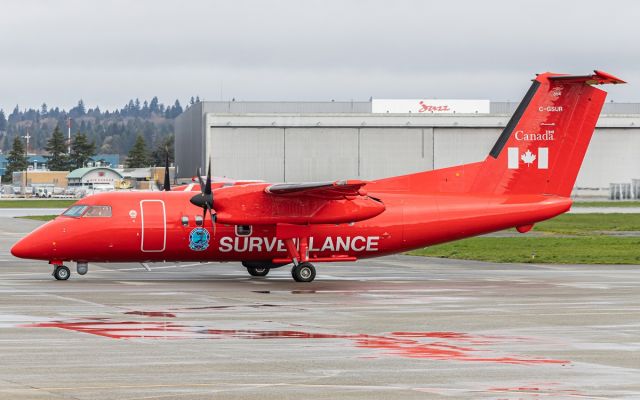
{"x": 69, "y": 133}
{"x": 26, "y": 173}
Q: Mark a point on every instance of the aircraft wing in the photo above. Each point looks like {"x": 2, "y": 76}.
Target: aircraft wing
{"x": 326, "y": 190}
{"x": 296, "y": 203}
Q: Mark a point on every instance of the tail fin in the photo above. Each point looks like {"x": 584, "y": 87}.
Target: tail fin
{"x": 542, "y": 147}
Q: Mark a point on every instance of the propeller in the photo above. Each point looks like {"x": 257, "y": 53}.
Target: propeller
{"x": 204, "y": 199}
{"x": 167, "y": 180}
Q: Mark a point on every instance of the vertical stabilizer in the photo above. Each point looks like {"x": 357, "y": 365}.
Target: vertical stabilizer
{"x": 542, "y": 147}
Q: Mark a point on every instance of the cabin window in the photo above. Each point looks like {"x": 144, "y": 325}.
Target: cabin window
{"x": 75, "y": 211}
{"x": 98, "y": 211}
{"x": 243, "y": 230}
{"x": 198, "y": 220}
{"x": 184, "y": 220}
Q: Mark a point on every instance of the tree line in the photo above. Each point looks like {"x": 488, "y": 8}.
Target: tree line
{"x": 82, "y": 151}
{"x": 113, "y": 132}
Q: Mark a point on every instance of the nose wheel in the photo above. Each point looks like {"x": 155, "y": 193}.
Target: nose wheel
{"x": 304, "y": 272}
{"x": 258, "y": 271}
{"x": 61, "y": 273}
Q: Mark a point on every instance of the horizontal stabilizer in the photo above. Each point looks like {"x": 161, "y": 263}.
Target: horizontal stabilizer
{"x": 597, "y": 78}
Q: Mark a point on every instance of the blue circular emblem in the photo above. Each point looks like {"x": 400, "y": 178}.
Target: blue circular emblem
{"x": 199, "y": 239}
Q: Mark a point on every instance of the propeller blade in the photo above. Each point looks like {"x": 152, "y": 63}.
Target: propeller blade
{"x": 167, "y": 180}
{"x": 207, "y": 189}
{"x": 200, "y": 181}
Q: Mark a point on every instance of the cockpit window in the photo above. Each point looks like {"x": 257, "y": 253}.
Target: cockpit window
{"x": 75, "y": 211}
{"x": 98, "y": 211}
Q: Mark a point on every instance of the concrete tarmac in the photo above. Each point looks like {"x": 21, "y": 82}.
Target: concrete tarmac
{"x": 394, "y": 327}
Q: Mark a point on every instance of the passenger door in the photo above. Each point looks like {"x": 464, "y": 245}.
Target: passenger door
{"x": 153, "y": 218}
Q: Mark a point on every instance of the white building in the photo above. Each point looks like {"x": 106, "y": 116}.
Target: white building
{"x": 310, "y": 141}
{"x": 90, "y": 176}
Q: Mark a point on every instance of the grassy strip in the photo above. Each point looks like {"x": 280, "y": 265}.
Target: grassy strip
{"x": 589, "y": 224}
{"x": 39, "y": 217}
{"x": 53, "y": 203}
{"x": 606, "y": 204}
{"x": 578, "y": 250}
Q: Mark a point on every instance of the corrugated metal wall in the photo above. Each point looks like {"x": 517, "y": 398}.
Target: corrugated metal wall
{"x": 290, "y": 144}
{"x": 189, "y": 140}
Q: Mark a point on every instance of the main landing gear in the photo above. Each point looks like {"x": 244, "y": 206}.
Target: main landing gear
{"x": 303, "y": 272}
{"x": 61, "y": 273}
{"x": 258, "y": 271}
{"x": 258, "y": 268}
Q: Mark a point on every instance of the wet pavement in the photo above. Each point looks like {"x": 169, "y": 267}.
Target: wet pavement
{"x": 23, "y": 212}
{"x": 394, "y": 327}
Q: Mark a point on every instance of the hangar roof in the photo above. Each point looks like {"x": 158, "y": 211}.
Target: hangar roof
{"x": 80, "y": 172}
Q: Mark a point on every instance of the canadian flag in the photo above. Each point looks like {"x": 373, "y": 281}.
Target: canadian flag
{"x": 528, "y": 158}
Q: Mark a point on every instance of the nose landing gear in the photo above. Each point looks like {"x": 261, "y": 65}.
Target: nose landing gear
{"x": 61, "y": 273}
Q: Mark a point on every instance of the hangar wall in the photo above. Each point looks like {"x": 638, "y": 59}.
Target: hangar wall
{"x": 310, "y": 147}
{"x": 287, "y": 142}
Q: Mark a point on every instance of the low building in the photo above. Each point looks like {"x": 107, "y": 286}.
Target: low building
{"x": 3, "y": 164}
{"x": 106, "y": 160}
{"x": 36, "y": 162}
{"x": 40, "y": 178}
{"x": 90, "y": 176}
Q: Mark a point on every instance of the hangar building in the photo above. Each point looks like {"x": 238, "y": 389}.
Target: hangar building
{"x": 313, "y": 141}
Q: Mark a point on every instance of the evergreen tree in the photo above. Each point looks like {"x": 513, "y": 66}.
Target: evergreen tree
{"x": 138, "y": 156}
{"x": 3, "y": 122}
{"x": 80, "y": 107}
{"x": 15, "y": 115}
{"x": 159, "y": 153}
{"x": 153, "y": 105}
{"x": 81, "y": 151}
{"x": 57, "y": 148}
{"x": 44, "y": 109}
{"x": 129, "y": 109}
{"x": 79, "y": 110}
{"x": 17, "y": 160}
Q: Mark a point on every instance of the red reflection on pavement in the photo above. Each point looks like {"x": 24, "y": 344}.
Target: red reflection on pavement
{"x": 419, "y": 345}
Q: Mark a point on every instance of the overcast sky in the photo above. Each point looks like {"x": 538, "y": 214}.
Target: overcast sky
{"x": 107, "y": 52}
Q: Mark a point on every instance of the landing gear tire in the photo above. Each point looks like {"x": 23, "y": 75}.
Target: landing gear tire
{"x": 303, "y": 272}
{"x": 61, "y": 273}
{"x": 258, "y": 271}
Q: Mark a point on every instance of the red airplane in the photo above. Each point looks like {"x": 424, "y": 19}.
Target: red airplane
{"x": 526, "y": 178}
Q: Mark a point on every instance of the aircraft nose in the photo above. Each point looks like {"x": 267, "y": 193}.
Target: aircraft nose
{"x": 21, "y": 249}
{"x": 32, "y": 246}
